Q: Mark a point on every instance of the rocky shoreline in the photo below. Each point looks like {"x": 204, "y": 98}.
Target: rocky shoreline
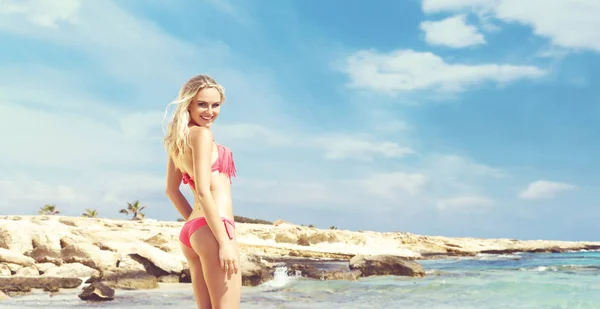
{"x": 100, "y": 255}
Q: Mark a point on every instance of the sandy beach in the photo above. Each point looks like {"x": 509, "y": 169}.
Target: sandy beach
{"x": 146, "y": 254}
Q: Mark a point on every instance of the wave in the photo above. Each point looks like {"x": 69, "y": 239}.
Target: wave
{"x": 583, "y": 250}
{"x": 556, "y": 268}
{"x": 281, "y": 279}
{"x": 489, "y": 256}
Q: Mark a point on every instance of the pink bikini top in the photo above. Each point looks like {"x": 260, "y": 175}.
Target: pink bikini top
{"x": 224, "y": 165}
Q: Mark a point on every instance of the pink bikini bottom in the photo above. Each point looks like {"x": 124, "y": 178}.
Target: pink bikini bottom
{"x": 191, "y": 226}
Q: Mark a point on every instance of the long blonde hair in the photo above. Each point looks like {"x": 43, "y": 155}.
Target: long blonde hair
{"x": 176, "y": 137}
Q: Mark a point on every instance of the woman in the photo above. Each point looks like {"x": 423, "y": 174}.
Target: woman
{"x": 207, "y": 238}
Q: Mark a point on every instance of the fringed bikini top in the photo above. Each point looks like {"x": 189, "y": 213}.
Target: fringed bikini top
{"x": 224, "y": 165}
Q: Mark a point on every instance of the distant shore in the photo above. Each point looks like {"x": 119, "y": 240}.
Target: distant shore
{"x": 148, "y": 251}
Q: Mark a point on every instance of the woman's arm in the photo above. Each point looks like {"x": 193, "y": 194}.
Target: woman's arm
{"x": 201, "y": 142}
{"x": 174, "y": 177}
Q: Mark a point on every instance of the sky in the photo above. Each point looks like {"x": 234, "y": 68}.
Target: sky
{"x": 463, "y": 118}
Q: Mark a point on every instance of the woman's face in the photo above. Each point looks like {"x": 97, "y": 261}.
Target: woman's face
{"x": 205, "y": 107}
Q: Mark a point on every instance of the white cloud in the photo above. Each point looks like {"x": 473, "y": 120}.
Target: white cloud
{"x": 380, "y": 119}
{"x": 106, "y": 191}
{"x": 307, "y": 193}
{"x": 566, "y": 23}
{"x": 409, "y": 70}
{"x": 543, "y": 189}
{"x": 425, "y": 183}
{"x": 452, "y": 32}
{"x": 436, "y": 6}
{"x": 392, "y": 126}
{"x": 339, "y": 146}
{"x": 455, "y": 176}
{"x": 451, "y": 164}
{"x": 126, "y": 48}
{"x": 42, "y": 13}
{"x": 124, "y": 186}
{"x": 141, "y": 126}
{"x": 378, "y": 190}
{"x": 569, "y": 24}
{"x": 75, "y": 141}
{"x": 395, "y": 184}
{"x": 246, "y": 132}
{"x": 466, "y": 202}
{"x": 228, "y": 8}
{"x": 335, "y": 146}
{"x": 21, "y": 191}
{"x": 36, "y": 86}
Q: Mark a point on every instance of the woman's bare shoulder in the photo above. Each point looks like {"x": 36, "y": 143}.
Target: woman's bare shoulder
{"x": 200, "y": 136}
{"x": 198, "y": 132}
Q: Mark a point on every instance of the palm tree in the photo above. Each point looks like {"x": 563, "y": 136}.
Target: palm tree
{"x": 49, "y": 209}
{"x": 135, "y": 209}
{"x": 90, "y": 213}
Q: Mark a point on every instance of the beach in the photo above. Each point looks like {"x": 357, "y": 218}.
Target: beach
{"x": 291, "y": 266}
{"x": 505, "y": 281}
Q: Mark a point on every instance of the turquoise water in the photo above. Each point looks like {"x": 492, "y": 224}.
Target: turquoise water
{"x": 565, "y": 280}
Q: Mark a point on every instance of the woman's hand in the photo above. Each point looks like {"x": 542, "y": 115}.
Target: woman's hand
{"x": 228, "y": 258}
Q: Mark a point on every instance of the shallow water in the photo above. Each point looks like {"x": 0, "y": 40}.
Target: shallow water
{"x": 565, "y": 280}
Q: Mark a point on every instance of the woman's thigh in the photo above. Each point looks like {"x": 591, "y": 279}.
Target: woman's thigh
{"x": 197, "y": 277}
{"x": 224, "y": 289}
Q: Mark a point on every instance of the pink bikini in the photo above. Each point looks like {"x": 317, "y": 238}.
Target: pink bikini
{"x": 224, "y": 165}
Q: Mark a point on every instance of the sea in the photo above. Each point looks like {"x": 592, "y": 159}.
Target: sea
{"x": 525, "y": 280}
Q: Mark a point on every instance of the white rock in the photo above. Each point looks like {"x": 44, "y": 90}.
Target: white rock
{"x": 9, "y": 256}
{"x": 13, "y": 267}
{"x": 90, "y": 255}
{"x": 4, "y": 270}
{"x": 161, "y": 259}
{"x": 43, "y": 267}
{"x": 28, "y": 271}
{"x": 129, "y": 264}
{"x": 15, "y": 236}
{"x": 71, "y": 270}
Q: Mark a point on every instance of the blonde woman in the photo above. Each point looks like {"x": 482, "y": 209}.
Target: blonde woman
{"x": 208, "y": 237}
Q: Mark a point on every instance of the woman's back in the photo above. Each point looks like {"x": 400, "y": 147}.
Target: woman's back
{"x": 222, "y": 170}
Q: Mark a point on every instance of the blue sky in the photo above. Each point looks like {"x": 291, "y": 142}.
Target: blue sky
{"x": 441, "y": 117}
